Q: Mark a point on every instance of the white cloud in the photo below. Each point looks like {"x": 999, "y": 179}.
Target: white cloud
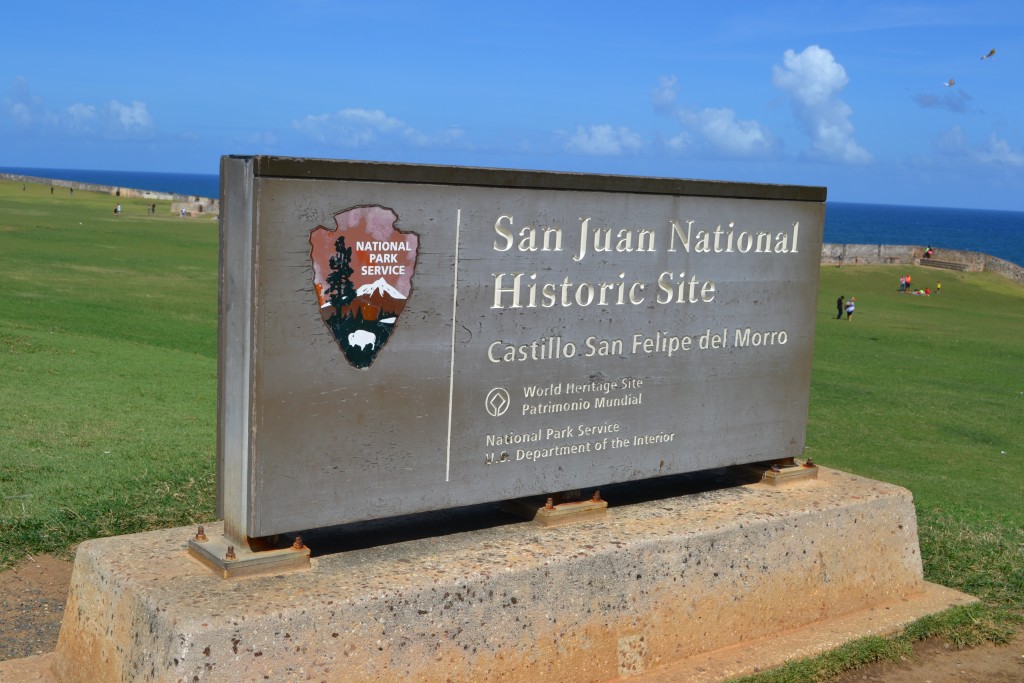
{"x": 995, "y": 152}
{"x": 813, "y": 80}
{"x": 113, "y": 120}
{"x": 604, "y": 140}
{"x": 82, "y": 112}
{"x": 24, "y": 108}
{"x": 812, "y": 77}
{"x": 953, "y": 141}
{"x": 362, "y": 127}
{"x": 680, "y": 142}
{"x": 711, "y": 129}
{"x": 131, "y": 117}
{"x": 20, "y": 112}
{"x": 81, "y": 118}
{"x": 998, "y": 152}
{"x": 664, "y": 96}
{"x": 740, "y": 138}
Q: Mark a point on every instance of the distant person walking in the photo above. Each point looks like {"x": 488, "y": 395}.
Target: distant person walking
{"x": 903, "y": 283}
{"x": 938, "y": 287}
{"x": 850, "y": 307}
{"x": 840, "y": 306}
{"x": 117, "y": 210}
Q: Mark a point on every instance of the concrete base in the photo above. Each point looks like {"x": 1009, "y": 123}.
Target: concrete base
{"x": 636, "y": 592}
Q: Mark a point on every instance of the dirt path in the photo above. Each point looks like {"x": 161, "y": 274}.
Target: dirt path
{"x": 935, "y": 661}
{"x": 32, "y": 599}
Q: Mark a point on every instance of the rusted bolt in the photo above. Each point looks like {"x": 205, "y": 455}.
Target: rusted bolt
{"x": 550, "y": 504}
{"x": 809, "y": 463}
{"x": 596, "y": 498}
{"x": 297, "y": 543}
{"x": 201, "y": 535}
{"x": 230, "y": 554}
{"x": 776, "y": 468}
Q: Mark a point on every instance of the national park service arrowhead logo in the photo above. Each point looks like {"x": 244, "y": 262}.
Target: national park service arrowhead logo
{"x": 362, "y": 276}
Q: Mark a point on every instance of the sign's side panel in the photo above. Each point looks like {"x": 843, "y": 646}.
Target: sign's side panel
{"x": 234, "y": 345}
{"x": 421, "y": 346}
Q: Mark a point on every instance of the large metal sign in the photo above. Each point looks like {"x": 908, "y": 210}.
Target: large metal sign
{"x": 398, "y": 338}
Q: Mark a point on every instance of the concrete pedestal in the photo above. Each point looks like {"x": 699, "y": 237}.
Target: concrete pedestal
{"x": 650, "y": 584}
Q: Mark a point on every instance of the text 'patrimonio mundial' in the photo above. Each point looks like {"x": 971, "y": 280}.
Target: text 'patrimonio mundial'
{"x": 685, "y": 236}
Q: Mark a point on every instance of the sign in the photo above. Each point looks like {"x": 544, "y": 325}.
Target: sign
{"x": 400, "y": 338}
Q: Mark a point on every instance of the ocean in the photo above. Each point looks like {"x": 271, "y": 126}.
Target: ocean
{"x": 196, "y": 184}
{"x": 998, "y": 233}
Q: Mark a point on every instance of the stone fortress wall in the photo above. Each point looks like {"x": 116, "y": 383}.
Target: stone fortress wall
{"x": 905, "y": 254}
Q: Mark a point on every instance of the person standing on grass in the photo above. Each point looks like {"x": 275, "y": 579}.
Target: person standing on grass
{"x": 840, "y": 306}
{"x": 938, "y": 287}
{"x": 850, "y": 307}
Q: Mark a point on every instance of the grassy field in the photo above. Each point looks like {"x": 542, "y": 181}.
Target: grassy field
{"x": 108, "y": 390}
{"x": 107, "y": 368}
{"x": 928, "y": 393}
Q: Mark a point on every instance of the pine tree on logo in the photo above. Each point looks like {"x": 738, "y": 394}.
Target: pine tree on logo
{"x": 339, "y": 286}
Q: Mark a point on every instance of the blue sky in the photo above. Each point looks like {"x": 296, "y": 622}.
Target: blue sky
{"x": 849, "y": 95}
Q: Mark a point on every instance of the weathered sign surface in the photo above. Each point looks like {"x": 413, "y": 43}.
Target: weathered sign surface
{"x": 399, "y": 338}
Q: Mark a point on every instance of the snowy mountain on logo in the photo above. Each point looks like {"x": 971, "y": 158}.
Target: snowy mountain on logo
{"x": 381, "y": 288}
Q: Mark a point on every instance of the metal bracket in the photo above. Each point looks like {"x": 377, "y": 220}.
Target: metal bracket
{"x": 785, "y": 471}
{"x": 561, "y": 508}
{"x": 255, "y": 557}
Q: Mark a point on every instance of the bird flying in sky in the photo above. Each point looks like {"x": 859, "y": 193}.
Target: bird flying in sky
{"x": 950, "y": 83}
{"x": 990, "y": 53}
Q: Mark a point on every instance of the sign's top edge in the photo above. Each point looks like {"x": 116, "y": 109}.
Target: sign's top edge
{"x": 330, "y": 169}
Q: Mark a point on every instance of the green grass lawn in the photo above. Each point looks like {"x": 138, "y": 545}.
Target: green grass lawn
{"x": 928, "y": 393}
{"x": 107, "y": 368}
{"x": 108, "y": 390}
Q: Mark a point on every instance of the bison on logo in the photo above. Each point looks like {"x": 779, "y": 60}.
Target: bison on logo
{"x": 362, "y": 276}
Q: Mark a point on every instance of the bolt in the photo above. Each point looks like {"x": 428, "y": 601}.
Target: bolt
{"x": 776, "y": 468}
{"x": 550, "y": 504}
{"x": 201, "y": 535}
{"x": 297, "y": 543}
{"x": 596, "y": 498}
{"x": 230, "y": 554}
{"x": 809, "y": 463}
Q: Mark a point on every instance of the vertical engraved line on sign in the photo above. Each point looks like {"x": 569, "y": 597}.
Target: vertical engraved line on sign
{"x": 451, "y": 374}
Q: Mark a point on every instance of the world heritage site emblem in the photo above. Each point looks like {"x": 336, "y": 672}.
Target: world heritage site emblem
{"x": 362, "y": 278}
